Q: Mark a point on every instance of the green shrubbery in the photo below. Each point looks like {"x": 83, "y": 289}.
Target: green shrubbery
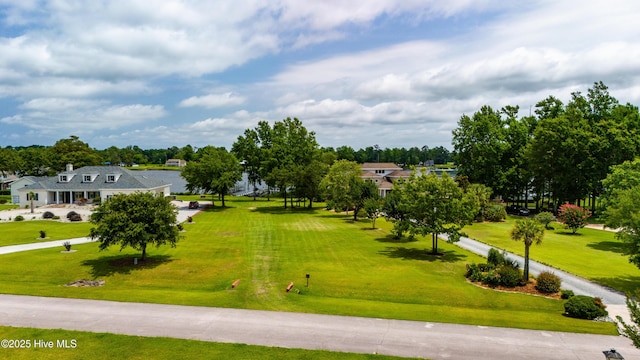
{"x": 545, "y": 218}
{"x": 585, "y": 307}
{"x": 495, "y": 213}
{"x": 566, "y": 294}
{"x": 548, "y": 283}
{"x": 47, "y": 215}
{"x": 498, "y": 271}
{"x": 74, "y": 216}
{"x": 19, "y": 218}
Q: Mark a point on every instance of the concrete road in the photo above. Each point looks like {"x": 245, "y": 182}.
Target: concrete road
{"x": 307, "y": 331}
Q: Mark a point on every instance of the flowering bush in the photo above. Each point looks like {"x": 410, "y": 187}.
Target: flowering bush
{"x": 574, "y": 217}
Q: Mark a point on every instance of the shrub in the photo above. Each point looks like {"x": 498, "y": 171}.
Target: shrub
{"x": 495, "y": 213}
{"x": 189, "y": 219}
{"x": 180, "y": 227}
{"x": 545, "y": 218}
{"x": 3, "y": 201}
{"x": 5, "y": 192}
{"x": 566, "y": 294}
{"x": 584, "y": 307}
{"x": 491, "y": 279}
{"x": 74, "y": 216}
{"x": 96, "y": 200}
{"x": 574, "y": 217}
{"x": 47, "y": 215}
{"x": 67, "y": 245}
{"x": 19, "y": 218}
{"x": 56, "y": 217}
{"x": 495, "y": 257}
{"x": 509, "y": 276}
{"x": 43, "y": 234}
{"x": 548, "y": 283}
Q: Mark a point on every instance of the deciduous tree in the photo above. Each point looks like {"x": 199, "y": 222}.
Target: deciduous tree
{"x": 135, "y": 220}
{"x": 435, "y": 206}
{"x": 216, "y": 172}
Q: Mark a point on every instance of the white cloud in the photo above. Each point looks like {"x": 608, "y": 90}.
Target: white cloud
{"x": 214, "y": 100}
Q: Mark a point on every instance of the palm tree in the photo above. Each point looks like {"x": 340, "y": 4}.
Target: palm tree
{"x": 31, "y": 196}
{"x": 530, "y": 231}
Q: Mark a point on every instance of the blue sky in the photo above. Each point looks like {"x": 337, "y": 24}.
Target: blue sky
{"x": 397, "y": 73}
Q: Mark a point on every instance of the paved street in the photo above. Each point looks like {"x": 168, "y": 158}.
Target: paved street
{"x": 308, "y": 331}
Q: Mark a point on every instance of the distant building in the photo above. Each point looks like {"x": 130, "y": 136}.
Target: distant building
{"x": 84, "y": 185}
{"x": 176, "y": 162}
{"x": 383, "y": 175}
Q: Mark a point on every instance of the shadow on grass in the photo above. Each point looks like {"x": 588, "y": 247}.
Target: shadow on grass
{"x": 611, "y": 246}
{"x": 623, "y": 284}
{"x": 280, "y": 210}
{"x": 123, "y": 264}
{"x": 394, "y": 240}
{"x": 421, "y": 254}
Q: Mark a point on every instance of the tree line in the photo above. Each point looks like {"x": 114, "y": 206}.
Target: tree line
{"x": 38, "y": 160}
{"x": 561, "y": 154}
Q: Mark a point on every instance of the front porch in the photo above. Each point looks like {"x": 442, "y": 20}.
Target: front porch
{"x": 72, "y": 197}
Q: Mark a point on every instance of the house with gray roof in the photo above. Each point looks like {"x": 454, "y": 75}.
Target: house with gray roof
{"x": 87, "y": 183}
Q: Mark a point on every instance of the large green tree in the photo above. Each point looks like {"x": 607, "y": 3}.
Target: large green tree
{"x": 435, "y": 205}
{"x": 73, "y": 151}
{"x": 530, "y": 232}
{"x": 621, "y": 200}
{"x": 216, "y": 172}
{"x": 135, "y": 220}
{"x": 480, "y": 145}
{"x": 336, "y": 184}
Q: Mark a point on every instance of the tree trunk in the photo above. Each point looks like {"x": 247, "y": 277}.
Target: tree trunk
{"x": 144, "y": 252}
{"x": 213, "y": 203}
{"x": 434, "y": 243}
{"x": 526, "y": 263}
{"x": 222, "y": 200}
{"x": 284, "y": 193}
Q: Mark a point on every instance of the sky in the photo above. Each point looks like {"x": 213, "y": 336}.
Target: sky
{"x": 392, "y": 73}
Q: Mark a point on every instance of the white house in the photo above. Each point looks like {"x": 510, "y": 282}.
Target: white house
{"x": 84, "y": 185}
{"x": 19, "y": 184}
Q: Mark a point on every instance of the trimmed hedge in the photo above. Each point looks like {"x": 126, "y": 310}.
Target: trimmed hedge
{"x": 585, "y": 307}
{"x": 548, "y": 283}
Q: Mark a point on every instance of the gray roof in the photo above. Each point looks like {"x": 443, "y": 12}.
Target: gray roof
{"x": 127, "y": 179}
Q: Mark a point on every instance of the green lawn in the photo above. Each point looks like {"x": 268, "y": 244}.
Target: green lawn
{"x": 353, "y": 271}
{"x": 108, "y": 346}
{"x": 24, "y": 232}
{"x": 593, "y": 254}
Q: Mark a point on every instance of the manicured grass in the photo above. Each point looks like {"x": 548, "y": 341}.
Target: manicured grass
{"x": 98, "y": 346}
{"x": 24, "y": 232}
{"x": 353, "y": 271}
{"x": 593, "y": 254}
{"x": 8, "y": 206}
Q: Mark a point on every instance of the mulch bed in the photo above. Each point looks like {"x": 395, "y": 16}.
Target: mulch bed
{"x": 529, "y": 289}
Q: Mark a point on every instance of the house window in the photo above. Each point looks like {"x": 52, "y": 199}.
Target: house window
{"x": 35, "y": 197}
{"x": 86, "y": 178}
{"x": 111, "y": 178}
{"x": 63, "y": 178}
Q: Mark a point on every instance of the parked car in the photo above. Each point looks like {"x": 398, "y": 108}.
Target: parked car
{"x": 517, "y": 210}
{"x": 194, "y": 205}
